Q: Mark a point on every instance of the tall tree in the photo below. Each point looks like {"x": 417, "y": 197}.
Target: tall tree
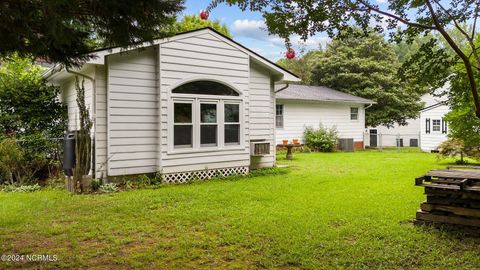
{"x": 63, "y": 30}
{"x": 192, "y": 22}
{"x": 337, "y": 17}
{"x": 303, "y": 65}
{"x": 367, "y": 66}
{"x": 27, "y": 104}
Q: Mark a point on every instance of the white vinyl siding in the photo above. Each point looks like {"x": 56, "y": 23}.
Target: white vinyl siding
{"x": 133, "y": 112}
{"x": 101, "y": 123}
{"x": 195, "y": 58}
{"x": 430, "y": 141}
{"x": 69, "y": 97}
{"x": 262, "y": 114}
{"x": 300, "y": 114}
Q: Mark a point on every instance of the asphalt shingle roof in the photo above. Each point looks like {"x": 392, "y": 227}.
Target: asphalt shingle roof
{"x": 318, "y": 93}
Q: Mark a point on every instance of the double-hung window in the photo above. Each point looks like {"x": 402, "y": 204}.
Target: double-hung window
{"x": 279, "y": 115}
{"x": 208, "y": 124}
{"x": 206, "y": 114}
{"x": 232, "y": 123}
{"x": 183, "y": 125}
{"x": 353, "y": 113}
{"x": 436, "y": 125}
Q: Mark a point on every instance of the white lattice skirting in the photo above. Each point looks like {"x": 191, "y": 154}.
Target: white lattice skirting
{"x": 184, "y": 177}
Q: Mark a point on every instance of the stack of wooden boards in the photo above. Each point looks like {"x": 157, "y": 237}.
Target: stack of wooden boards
{"x": 453, "y": 197}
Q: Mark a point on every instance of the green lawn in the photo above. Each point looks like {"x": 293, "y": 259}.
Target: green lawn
{"x": 339, "y": 210}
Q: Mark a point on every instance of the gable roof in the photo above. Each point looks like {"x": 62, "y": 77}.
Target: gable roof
{"x": 276, "y": 70}
{"x": 318, "y": 93}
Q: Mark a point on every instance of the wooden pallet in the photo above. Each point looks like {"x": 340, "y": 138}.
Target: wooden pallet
{"x": 453, "y": 197}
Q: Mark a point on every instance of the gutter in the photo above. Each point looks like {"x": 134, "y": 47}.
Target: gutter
{"x": 287, "y": 84}
{"x": 94, "y": 114}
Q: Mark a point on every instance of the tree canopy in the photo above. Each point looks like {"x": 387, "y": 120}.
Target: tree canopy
{"x": 367, "y": 67}
{"x": 193, "y": 22}
{"x": 27, "y": 104}
{"x": 65, "y": 31}
{"x": 303, "y": 65}
{"x": 340, "y": 17}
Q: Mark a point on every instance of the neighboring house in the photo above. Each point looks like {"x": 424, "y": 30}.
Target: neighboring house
{"x": 300, "y": 106}
{"x": 194, "y": 105}
{"x": 434, "y": 128}
{"x": 407, "y": 135}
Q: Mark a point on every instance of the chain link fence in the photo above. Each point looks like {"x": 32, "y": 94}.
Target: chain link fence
{"x": 381, "y": 140}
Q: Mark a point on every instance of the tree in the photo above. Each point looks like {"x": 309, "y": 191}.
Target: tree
{"x": 64, "y": 30}
{"x": 302, "y": 66}
{"x": 27, "y": 104}
{"x": 338, "y": 18}
{"x": 463, "y": 124}
{"x": 192, "y": 22}
{"x": 367, "y": 67}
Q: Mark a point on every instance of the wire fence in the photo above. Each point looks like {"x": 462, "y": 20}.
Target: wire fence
{"x": 384, "y": 140}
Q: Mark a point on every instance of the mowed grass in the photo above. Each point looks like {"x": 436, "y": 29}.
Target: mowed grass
{"x": 336, "y": 210}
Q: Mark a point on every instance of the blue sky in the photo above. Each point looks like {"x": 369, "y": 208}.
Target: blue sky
{"x": 248, "y": 29}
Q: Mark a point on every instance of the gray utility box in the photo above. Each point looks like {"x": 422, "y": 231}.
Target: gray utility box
{"x": 345, "y": 144}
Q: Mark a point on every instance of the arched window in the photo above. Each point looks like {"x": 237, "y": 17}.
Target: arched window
{"x": 206, "y": 114}
{"x": 205, "y": 88}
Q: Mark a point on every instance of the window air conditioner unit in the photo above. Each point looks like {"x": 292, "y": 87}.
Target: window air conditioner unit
{"x": 259, "y": 149}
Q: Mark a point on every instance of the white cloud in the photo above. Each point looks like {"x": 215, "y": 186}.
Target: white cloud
{"x": 257, "y": 30}
{"x": 381, "y": 1}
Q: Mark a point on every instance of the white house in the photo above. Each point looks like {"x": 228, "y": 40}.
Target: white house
{"x": 407, "y": 135}
{"x": 434, "y": 128}
{"x": 300, "y": 106}
{"x": 196, "y": 104}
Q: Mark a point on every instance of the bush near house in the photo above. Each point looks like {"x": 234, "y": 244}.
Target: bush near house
{"x": 31, "y": 119}
{"x": 322, "y": 139}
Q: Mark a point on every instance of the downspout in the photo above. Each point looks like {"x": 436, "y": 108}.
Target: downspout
{"x": 369, "y": 105}
{"x": 94, "y": 115}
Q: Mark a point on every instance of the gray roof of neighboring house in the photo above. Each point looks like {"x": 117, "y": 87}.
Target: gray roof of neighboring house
{"x": 318, "y": 93}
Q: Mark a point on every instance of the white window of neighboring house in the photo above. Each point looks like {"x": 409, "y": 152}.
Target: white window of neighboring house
{"x": 436, "y": 123}
{"x": 279, "y": 116}
{"x": 353, "y": 113}
{"x": 206, "y": 114}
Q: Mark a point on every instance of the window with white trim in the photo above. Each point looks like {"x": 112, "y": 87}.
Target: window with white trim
{"x": 232, "y": 123}
{"x": 208, "y": 124}
{"x": 353, "y": 113}
{"x": 279, "y": 115}
{"x": 206, "y": 114}
{"x": 436, "y": 125}
{"x": 182, "y": 125}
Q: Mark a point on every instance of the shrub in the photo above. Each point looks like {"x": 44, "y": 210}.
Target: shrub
{"x": 13, "y": 188}
{"x": 108, "y": 188}
{"x": 95, "y": 184}
{"x": 455, "y": 148}
{"x": 322, "y": 139}
{"x": 12, "y": 162}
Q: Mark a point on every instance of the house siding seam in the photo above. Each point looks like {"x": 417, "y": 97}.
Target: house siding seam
{"x": 214, "y": 58}
{"x": 132, "y": 112}
{"x": 100, "y": 123}
{"x": 262, "y": 117}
